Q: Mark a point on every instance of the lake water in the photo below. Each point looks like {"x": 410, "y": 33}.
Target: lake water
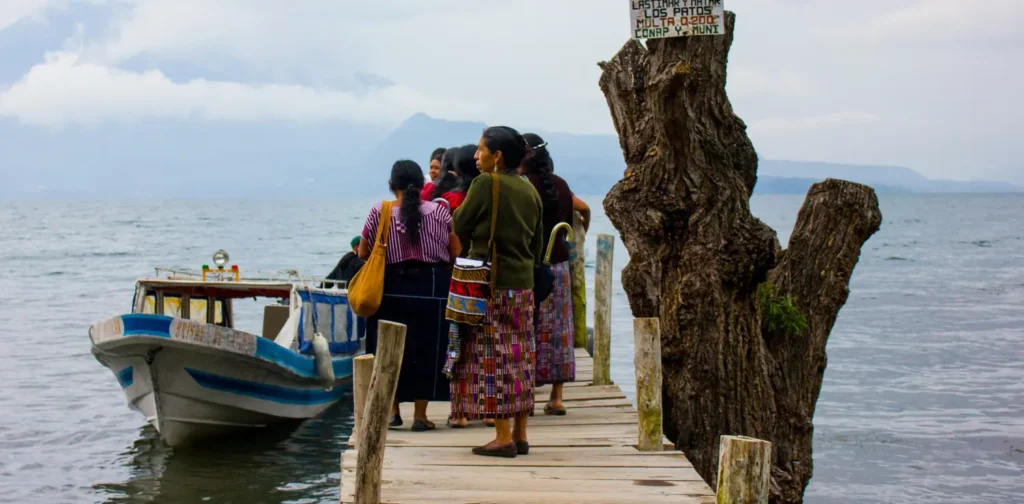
{"x": 923, "y": 398}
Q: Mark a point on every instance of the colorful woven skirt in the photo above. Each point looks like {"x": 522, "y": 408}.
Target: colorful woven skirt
{"x": 494, "y": 374}
{"x": 556, "y": 357}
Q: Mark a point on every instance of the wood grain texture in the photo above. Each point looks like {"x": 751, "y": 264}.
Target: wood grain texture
{"x": 380, "y": 396}
{"x": 587, "y": 456}
{"x": 362, "y": 373}
{"x": 647, "y": 364}
{"x": 744, "y": 470}
{"x": 603, "y": 309}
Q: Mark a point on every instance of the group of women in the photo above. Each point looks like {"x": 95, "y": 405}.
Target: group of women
{"x": 488, "y": 371}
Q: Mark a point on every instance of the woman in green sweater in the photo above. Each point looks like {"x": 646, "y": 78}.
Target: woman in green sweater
{"x": 494, "y": 375}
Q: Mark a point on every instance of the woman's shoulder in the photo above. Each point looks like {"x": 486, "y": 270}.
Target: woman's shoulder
{"x": 564, "y": 191}
{"x": 429, "y": 207}
{"x": 479, "y": 180}
{"x": 558, "y": 180}
{"x": 434, "y": 210}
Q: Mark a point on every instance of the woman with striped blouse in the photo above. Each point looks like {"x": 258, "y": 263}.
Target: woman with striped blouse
{"x": 420, "y": 248}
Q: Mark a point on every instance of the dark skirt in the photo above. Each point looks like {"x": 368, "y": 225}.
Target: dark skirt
{"x": 415, "y": 294}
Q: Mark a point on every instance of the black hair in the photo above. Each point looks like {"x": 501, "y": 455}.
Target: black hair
{"x": 508, "y": 142}
{"x": 465, "y": 165}
{"x": 538, "y": 162}
{"x": 407, "y": 177}
{"x": 448, "y": 179}
{"x": 437, "y": 154}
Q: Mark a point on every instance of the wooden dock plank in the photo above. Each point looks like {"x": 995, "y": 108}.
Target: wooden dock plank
{"x": 604, "y": 456}
{"x": 438, "y": 413}
{"x": 587, "y": 456}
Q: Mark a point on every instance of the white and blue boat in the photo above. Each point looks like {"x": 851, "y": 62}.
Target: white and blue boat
{"x": 181, "y": 363}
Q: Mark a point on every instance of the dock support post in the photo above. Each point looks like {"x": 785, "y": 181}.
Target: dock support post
{"x": 647, "y": 362}
{"x": 379, "y": 397}
{"x": 362, "y": 373}
{"x": 744, "y": 470}
{"x": 578, "y": 268}
{"x": 603, "y": 310}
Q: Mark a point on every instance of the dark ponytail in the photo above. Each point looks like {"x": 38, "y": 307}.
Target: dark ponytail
{"x": 407, "y": 178}
{"x": 538, "y": 162}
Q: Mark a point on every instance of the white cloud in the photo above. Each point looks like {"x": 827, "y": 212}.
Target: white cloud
{"x": 747, "y": 82}
{"x": 12, "y": 11}
{"x": 955, "y": 22}
{"x": 862, "y": 81}
{"x": 63, "y": 89}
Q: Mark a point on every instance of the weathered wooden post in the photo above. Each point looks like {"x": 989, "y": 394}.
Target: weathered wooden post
{"x": 647, "y": 362}
{"x": 362, "y": 373}
{"x": 603, "y": 310}
{"x": 744, "y": 470}
{"x": 578, "y": 268}
{"x": 379, "y": 397}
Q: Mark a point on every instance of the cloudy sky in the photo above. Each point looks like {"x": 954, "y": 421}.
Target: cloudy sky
{"x": 931, "y": 84}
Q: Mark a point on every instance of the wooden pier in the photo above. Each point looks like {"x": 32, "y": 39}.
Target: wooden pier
{"x": 602, "y": 451}
{"x": 589, "y": 455}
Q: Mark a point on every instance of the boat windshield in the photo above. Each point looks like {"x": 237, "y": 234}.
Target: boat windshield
{"x": 193, "y": 299}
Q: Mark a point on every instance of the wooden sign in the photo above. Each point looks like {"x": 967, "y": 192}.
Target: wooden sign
{"x": 676, "y": 18}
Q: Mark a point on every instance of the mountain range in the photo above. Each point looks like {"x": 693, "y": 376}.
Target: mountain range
{"x": 171, "y": 159}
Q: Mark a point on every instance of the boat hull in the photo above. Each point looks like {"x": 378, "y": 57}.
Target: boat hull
{"x": 195, "y": 381}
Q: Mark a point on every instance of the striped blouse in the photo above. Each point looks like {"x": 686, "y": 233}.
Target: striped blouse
{"x": 434, "y": 230}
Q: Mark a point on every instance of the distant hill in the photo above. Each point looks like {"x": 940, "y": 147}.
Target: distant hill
{"x": 888, "y": 178}
{"x": 192, "y": 159}
{"x": 593, "y": 163}
{"x": 790, "y": 185}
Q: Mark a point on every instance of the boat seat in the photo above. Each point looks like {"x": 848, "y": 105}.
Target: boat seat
{"x": 274, "y": 318}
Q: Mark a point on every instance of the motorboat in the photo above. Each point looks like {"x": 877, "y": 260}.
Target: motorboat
{"x": 182, "y": 363}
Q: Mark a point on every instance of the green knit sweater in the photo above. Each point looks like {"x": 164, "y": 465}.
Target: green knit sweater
{"x": 519, "y": 237}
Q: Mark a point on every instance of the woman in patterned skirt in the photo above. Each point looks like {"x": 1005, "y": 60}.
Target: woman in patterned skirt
{"x": 556, "y": 357}
{"x": 493, "y": 372}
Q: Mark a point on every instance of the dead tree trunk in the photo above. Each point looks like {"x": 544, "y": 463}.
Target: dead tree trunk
{"x": 697, "y": 255}
{"x": 814, "y": 271}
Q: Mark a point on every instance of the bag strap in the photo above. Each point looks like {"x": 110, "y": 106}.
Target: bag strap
{"x": 384, "y": 225}
{"x": 491, "y": 247}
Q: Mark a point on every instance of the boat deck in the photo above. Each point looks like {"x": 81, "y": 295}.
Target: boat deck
{"x": 589, "y": 456}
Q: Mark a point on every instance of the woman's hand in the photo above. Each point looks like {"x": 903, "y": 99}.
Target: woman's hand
{"x": 454, "y": 246}
{"x": 584, "y": 210}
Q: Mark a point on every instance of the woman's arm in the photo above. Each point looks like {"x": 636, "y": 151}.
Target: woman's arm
{"x": 364, "y": 249}
{"x": 454, "y": 246}
{"x": 584, "y": 210}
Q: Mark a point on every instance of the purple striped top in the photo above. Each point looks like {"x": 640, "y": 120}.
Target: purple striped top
{"x": 434, "y": 230}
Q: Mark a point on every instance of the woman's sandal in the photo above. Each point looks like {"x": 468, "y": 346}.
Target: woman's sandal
{"x": 550, "y": 409}
{"x": 507, "y": 451}
{"x": 420, "y": 426}
{"x": 455, "y": 425}
{"x": 396, "y": 420}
